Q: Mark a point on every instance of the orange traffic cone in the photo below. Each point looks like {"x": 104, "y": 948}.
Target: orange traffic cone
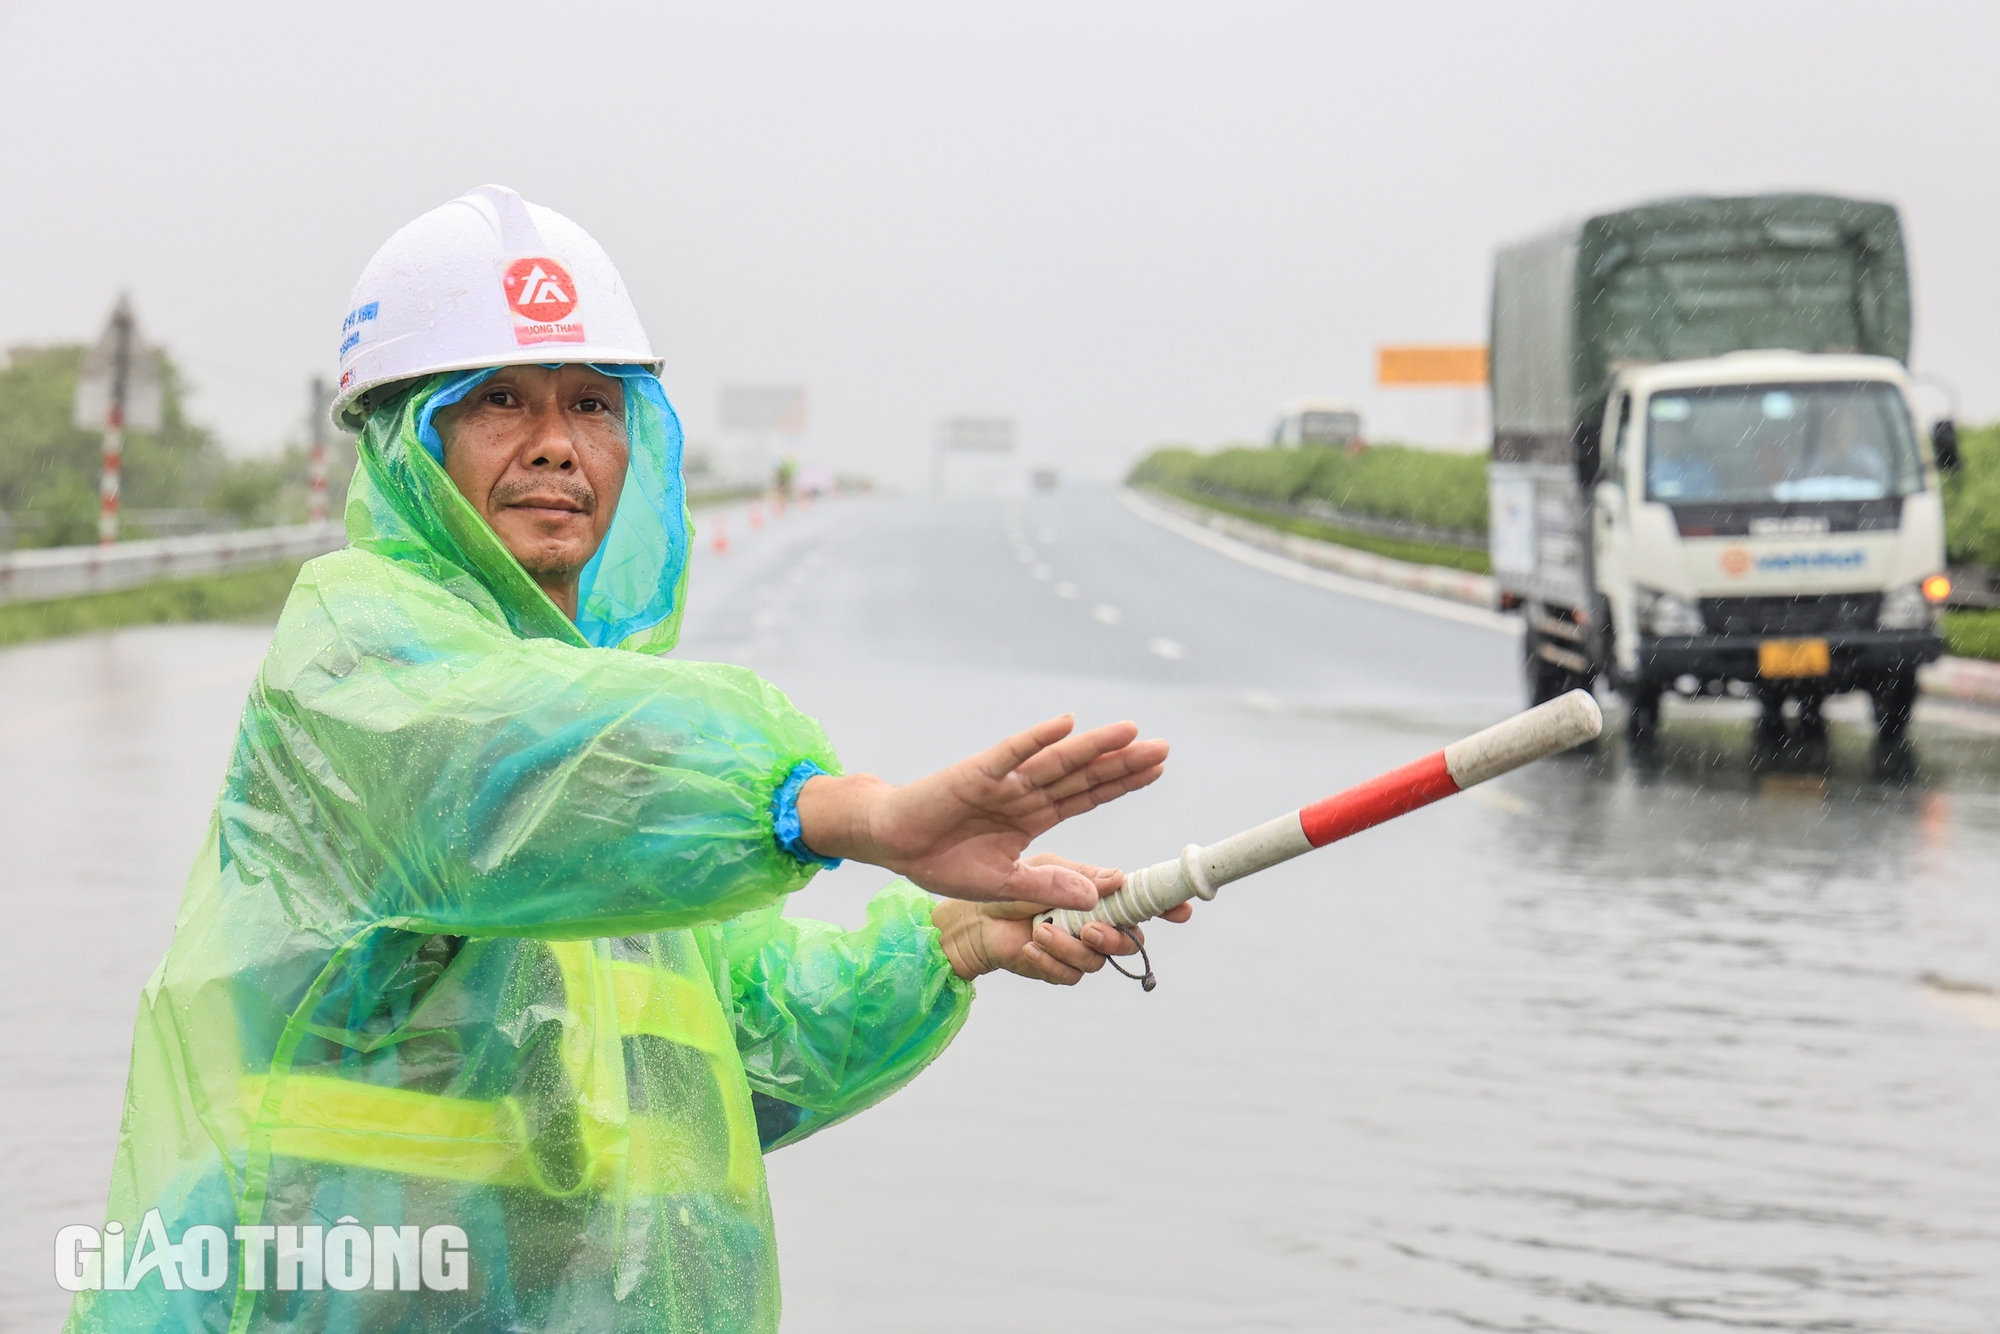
{"x": 756, "y": 516}
{"x": 721, "y": 543}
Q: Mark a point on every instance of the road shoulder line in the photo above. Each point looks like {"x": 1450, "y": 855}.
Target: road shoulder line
{"x": 1205, "y": 533}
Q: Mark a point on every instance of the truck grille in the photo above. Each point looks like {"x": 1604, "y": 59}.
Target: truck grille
{"x": 1819, "y": 615}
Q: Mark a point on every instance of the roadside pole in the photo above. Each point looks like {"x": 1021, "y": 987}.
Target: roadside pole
{"x": 118, "y": 389}
{"x": 114, "y": 424}
{"x": 316, "y": 477}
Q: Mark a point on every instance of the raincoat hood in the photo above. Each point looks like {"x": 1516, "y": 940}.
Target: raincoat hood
{"x": 631, "y": 595}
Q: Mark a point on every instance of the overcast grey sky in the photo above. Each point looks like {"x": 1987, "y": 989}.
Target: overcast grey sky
{"x": 1120, "y": 223}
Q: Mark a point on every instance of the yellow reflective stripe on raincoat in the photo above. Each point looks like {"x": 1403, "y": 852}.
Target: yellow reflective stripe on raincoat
{"x": 655, "y": 1002}
{"x": 330, "y": 1119}
{"x": 327, "y": 1119}
{"x": 594, "y": 1058}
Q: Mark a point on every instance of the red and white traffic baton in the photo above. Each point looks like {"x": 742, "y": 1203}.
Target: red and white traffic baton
{"x": 1547, "y": 729}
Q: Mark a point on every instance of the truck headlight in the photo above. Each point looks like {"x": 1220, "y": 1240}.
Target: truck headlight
{"x": 1906, "y": 608}
{"x": 1666, "y": 616}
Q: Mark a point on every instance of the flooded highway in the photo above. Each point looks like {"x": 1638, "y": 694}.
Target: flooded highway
{"x": 1615, "y": 1043}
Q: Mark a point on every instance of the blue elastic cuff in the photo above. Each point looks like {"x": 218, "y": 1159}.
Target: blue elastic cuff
{"x": 785, "y": 816}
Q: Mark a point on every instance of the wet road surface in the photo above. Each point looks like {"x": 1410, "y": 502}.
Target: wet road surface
{"x": 1606, "y": 1046}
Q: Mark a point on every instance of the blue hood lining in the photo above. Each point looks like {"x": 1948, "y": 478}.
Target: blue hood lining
{"x": 633, "y": 582}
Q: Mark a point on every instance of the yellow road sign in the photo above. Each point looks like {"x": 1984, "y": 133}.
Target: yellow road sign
{"x": 1431, "y": 364}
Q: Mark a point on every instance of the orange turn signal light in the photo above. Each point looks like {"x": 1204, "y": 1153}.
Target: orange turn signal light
{"x": 1937, "y": 588}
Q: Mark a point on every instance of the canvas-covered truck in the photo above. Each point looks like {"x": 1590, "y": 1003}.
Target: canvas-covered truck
{"x": 1707, "y": 475}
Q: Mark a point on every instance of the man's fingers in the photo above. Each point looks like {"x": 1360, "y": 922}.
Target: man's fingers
{"x": 1049, "y": 968}
{"x": 1075, "y": 752}
{"x": 1111, "y": 791}
{"x": 1109, "y": 879}
{"x": 1067, "y": 949}
{"x": 1104, "y": 939}
{"x": 996, "y": 762}
{"x": 1179, "y": 913}
{"x": 1053, "y": 886}
{"x": 1138, "y": 756}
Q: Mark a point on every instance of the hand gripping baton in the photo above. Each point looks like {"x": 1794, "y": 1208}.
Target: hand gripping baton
{"x": 1198, "y": 872}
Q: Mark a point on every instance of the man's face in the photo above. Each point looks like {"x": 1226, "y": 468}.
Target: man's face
{"x": 541, "y": 455}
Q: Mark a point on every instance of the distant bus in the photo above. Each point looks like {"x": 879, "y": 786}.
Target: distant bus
{"x": 1318, "y": 421}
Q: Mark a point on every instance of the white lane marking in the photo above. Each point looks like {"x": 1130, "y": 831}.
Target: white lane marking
{"x": 1065, "y": 589}
{"x": 1046, "y": 536}
{"x": 1326, "y": 579}
{"x": 1965, "y": 999}
{"x": 1105, "y": 614}
{"x": 1169, "y": 649}
{"x": 1492, "y": 796}
{"x": 1042, "y": 572}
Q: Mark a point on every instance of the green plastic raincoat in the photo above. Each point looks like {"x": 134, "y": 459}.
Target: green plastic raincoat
{"x": 486, "y": 934}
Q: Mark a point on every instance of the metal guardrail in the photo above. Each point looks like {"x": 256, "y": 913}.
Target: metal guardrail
{"x": 45, "y": 573}
{"x": 61, "y": 572}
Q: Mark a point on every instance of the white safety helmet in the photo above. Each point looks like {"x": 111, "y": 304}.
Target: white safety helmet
{"x": 487, "y": 280}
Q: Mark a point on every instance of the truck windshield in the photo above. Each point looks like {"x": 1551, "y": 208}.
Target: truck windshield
{"x": 1793, "y": 442}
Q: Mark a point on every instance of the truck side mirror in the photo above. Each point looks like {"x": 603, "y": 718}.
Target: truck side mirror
{"x": 1944, "y": 445}
{"x": 1588, "y": 446}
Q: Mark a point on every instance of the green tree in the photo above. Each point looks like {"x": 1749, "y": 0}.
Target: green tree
{"x": 49, "y": 468}
{"x": 1972, "y": 498}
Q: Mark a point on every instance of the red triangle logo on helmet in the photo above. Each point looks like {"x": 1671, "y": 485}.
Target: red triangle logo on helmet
{"x": 542, "y": 297}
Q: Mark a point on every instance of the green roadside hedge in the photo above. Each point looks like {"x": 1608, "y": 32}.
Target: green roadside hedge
{"x": 1972, "y": 498}
{"x": 1386, "y": 481}
{"x": 1449, "y": 490}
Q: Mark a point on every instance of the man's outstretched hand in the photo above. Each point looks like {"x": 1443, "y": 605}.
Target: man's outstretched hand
{"x": 961, "y": 831}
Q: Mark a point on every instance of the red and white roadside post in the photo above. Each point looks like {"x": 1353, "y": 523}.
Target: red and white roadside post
{"x": 1547, "y": 729}
{"x": 316, "y": 472}
{"x": 108, "y": 482}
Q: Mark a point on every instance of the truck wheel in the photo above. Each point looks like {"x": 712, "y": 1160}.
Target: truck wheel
{"x": 1546, "y": 681}
{"x": 1895, "y": 700}
{"x": 1812, "y": 717}
{"x": 1770, "y": 732}
{"x": 1642, "y": 717}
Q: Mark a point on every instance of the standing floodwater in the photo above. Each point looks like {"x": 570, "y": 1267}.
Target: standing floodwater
{"x": 1597, "y": 1048}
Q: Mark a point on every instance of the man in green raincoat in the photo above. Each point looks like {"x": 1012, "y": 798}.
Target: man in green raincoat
{"x": 481, "y": 1010}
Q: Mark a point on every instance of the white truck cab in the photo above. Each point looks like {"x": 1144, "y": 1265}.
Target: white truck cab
{"x": 1769, "y": 518}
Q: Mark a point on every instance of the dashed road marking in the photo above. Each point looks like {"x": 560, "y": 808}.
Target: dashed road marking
{"x": 1104, "y": 614}
{"x": 1490, "y": 796}
{"x": 1170, "y": 649}
{"x": 1968, "y": 1000}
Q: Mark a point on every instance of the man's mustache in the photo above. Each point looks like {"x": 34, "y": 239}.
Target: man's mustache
{"x": 574, "y": 489}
